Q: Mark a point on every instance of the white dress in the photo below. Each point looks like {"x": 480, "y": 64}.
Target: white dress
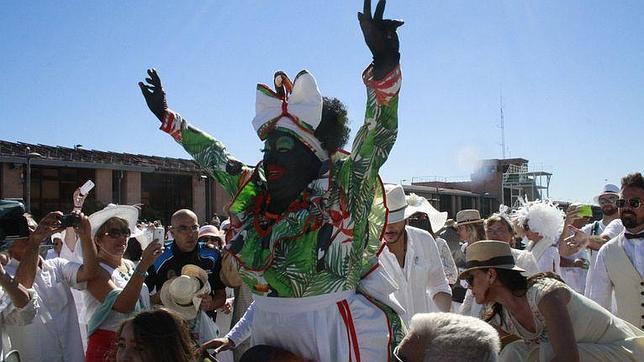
{"x": 600, "y": 336}
{"x": 114, "y": 319}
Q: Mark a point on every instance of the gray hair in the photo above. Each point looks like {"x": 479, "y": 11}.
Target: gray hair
{"x": 450, "y": 337}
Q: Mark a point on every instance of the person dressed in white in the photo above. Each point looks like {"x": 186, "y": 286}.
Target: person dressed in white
{"x": 54, "y": 334}
{"x": 541, "y": 222}
{"x": 17, "y": 308}
{"x": 619, "y": 268}
{"x": 412, "y": 259}
{"x": 118, "y": 291}
{"x": 593, "y": 235}
{"x": 499, "y": 227}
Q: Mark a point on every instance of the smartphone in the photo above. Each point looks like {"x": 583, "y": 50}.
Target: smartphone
{"x": 585, "y": 211}
{"x": 87, "y": 187}
{"x": 159, "y": 234}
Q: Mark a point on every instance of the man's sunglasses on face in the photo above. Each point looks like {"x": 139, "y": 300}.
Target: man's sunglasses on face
{"x": 634, "y": 203}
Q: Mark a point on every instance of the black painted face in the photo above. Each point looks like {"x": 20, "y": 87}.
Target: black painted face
{"x": 289, "y": 165}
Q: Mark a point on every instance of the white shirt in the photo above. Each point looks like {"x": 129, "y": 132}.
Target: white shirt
{"x": 613, "y": 229}
{"x": 421, "y": 278}
{"x": 54, "y": 334}
{"x": 546, "y": 255}
{"x": 120, "y": 280}
{"x": 588, "y": 230}
{"x": 12, "y": 315}
{"x": 449, "y": 267}
{"x": 601, "y": 287}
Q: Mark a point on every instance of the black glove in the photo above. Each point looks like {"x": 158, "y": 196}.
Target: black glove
{"x": 381, "y": 38}
{"x": 154, "y": 94}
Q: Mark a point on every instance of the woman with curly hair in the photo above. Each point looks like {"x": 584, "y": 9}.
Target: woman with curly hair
{"x": 157, "y": 335}
{"x": 554, "y": 322}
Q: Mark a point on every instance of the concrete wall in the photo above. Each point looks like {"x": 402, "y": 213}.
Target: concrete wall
{"x": 12, "y": 183}
{"x": 104, "y": 186}
{"x": 199, "y": 198}
{"x": 132, "y": 188}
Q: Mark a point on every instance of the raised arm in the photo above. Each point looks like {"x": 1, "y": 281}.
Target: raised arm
{"x": 26, "y": 272}
{"x": 207, "y": 151}
{"x": 89, "y": 269}
{"x": 376, "y": 137}
{"x": 17, "y": 293}
{"x": 128, "y": 298}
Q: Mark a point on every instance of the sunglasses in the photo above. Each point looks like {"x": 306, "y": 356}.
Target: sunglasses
{"x": 470, "y": 280}
{"x": 117, "y": 233}
{"x": 634, "y": 203}
{"x": 608, "y": 201}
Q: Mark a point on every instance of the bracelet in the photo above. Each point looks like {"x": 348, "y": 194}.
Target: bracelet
{"x": 143, "y": 274}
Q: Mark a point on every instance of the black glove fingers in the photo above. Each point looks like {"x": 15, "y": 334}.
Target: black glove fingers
{"x": 366, "y": 12}
{"x": 380, "y": 10}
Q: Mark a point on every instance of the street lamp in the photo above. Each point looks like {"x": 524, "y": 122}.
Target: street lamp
{"x": 29, "y": 156}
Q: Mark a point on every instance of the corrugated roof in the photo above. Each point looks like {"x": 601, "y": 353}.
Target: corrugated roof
{"x": 80, "y": 157}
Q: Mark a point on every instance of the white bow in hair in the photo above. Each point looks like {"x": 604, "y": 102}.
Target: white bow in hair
{"x": 296, "y": 107}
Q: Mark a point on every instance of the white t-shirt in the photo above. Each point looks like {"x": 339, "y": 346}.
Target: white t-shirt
{"x": 613, "y": 229}
{"x": 54, "y": 334}
{"x": 12, "y": 315}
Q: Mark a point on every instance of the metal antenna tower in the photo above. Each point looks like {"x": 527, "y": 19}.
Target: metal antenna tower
{"x": 502, "y": 126}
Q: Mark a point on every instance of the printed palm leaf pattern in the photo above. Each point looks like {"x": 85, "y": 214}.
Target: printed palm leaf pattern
{"x": 288, "y": 261}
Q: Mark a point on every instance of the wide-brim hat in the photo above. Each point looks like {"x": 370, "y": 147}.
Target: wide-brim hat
{"x": 396, "y": 203}
{"x": 181, "y": 294}
{"x": 417, "y": 203}
{"x": 468, "y": 216}
{"x": 126, "y": 212}
{"x": 488, "y": 254}
{"x": 609, "y": 189}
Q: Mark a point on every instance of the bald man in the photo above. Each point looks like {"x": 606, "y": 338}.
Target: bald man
{"x": 183, "y": 250}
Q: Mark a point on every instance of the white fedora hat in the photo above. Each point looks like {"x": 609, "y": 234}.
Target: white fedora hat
{"x": 126, "y": 212}
{"x": 396, "y": 203}
{"x": 609, "y": 189}
{"x": 417, "y": 203}
{"x": 181, "y": 294}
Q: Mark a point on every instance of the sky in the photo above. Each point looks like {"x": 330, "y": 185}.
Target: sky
{"x": 571, "y": 76}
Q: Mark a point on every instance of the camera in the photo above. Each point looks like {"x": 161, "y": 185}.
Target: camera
{"x": 70, "y": 220}
{"x": 13, "y": 224}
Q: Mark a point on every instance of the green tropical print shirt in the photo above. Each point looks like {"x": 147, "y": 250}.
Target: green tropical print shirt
{"x": 330, "y": 236}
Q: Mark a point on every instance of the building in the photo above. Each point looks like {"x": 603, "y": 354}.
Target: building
{"x": 493, "y": 183}
{"x": 160, "y": 184}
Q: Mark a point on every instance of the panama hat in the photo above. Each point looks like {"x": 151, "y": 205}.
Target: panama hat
{"x": 127, "y": 212}
{"x": 488, "y": 254}
{"x": 396, "y": 203}
{"x": 609, "y": 189}
{"x": 417, "y": 203}
{"x": 468, "y": 216}
{"x": 181, "y": 294}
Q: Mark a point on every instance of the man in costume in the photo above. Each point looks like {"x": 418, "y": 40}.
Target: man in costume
{"x": 308, "y": 217}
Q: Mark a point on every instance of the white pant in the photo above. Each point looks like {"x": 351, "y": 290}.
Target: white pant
{"x": 342, "y": 326}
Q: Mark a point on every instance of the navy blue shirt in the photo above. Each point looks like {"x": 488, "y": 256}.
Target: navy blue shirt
{"x": 169, "y": 264}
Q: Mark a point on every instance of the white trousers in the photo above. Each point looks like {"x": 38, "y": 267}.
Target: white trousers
{"x": 342, "y": 326}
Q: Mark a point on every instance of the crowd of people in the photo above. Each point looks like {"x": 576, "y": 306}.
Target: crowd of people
{"x": 318, "y": 260}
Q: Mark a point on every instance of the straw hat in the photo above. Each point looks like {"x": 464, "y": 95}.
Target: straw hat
{"x": 396, "y": 203}
{"x": 609, "y": 189}
{"x": 468, "y": 216}
{"x": 488, "y": 254}
{"x": 181, "y": 294}
{"x": 417, "y": 203}
{"x": 127, "y": 212}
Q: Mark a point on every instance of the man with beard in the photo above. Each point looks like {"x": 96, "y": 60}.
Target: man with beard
{"x": 593, "y": 235}
{"x": 620, "y": 262}
{"x": 412, "y": 259}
